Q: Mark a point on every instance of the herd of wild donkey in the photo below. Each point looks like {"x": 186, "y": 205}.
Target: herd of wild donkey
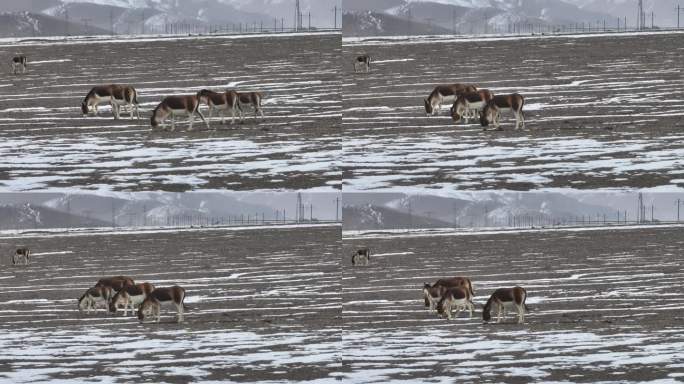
{"x": 121, "y": 292}
{"x": 466, "y": 101}
{"x": 122, "y": 96}
{"x": 456, "y": 294}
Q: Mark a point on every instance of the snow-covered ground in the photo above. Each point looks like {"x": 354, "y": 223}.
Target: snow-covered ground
{"x": 601, "y": 112}
{"x": 46, "y": 144}
{"x": 604, "y": 306}
{"x": 262, "y": 305}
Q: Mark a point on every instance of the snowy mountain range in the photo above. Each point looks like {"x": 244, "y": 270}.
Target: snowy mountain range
{"x": 128, "y": 16}
{"x": 153, "y": 208}
{"x": 379, "y": 17}
{"x": 363, "y": 211}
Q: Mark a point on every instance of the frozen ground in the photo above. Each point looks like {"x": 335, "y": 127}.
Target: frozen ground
{"x": 602, "y": 112}
{"x": 605, "y": 306}
{"x": 46, "y": 143}
{"x": 264, "y": 305}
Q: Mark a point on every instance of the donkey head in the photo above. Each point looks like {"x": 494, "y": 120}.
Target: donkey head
{"x": 84, "y": 108}
{"x": 428, "y": 107}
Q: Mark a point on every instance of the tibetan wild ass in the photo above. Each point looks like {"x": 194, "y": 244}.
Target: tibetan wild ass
{"x": 99, "y": 294}
{"x": 491, "y": 113}
{"x": 469, "y": 104}
{"x": 506, "y": 298}
{"x": 432, "y": 293}
{"x": 115, "y": 282}
{"x": 21, "y": 253}
{"x": 151, "y": 306}
{"x": 455, "y": 298}
{"x": 227, "y": 101}
{"x": 445, "y": 94}
{"x": 130, "y": 296}
{"x": 251, "y": 98}
{"x": 19, "y": 62}
{"x": 116, "y": 95}
{"x": 361, "y": 257}
{"x": 362, "y": 62}
{"x": 177, "y": 105}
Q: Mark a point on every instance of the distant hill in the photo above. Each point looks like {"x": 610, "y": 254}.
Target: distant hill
{"x": 390, "y": 210}
{"x": 27, "y": 216}
{"x": 368, "y": 217}
{"x": 43, "y": 17}
{"x": 27, "y": 24}
{"x": 391, "y": 17}
{"x": 371, "y": 23}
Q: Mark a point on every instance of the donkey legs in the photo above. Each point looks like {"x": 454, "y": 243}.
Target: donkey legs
{"x": 179, "y": 308}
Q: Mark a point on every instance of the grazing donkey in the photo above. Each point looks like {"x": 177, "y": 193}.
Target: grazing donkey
{"x": 251, "y": 98}
{"x": 491, "y": 113}
{"x": 21, "y": 253}
{"x": 362, "y": 62}
{"x": 19, "y": 62}
{"x": 99, "y": 294}
{"x": 455, "y": 298}
{"x": 432, "y": 294}
{"x": 445, "y": 94}
{"x": 469, "y": 104}
{"x": 130, "y": 296}
{"x": 506, "y": 298}
{"x": 115, "y": 282}
{"x": 361, "y": 257}
{"x": 151, "y": 306}
{"x": 227, "y": 101}
{"x": 116, "y": 95}
{"x": 177, "y": 105}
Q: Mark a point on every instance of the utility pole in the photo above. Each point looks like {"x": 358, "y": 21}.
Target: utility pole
{"x": 410, "y": 213}
{"x": 335, "y": 17}
{"x": 337, "y": 209}
{"x": 678, "y": 10}
{"x": 297, "y": 16}
{"x": 142, "y": 23}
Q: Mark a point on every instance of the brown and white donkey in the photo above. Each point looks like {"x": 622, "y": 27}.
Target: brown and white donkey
{"x": 503, "y": 299}
{"x": 491, "y": 113}
{"x": 226, "y": 101}
{"x": 116, "y": 95}
{"x": 445, "y": 94}
{"x": 151, "y": 306}
{"x": 186, "y": 105}
{"x": 130, "y": 296}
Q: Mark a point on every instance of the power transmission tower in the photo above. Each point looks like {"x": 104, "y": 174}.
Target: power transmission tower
{"x": 335, "y": 17}
{"x": 298, "y": 15}
{"x": 299, "y": 212}
{"x": 337, "y": 209}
